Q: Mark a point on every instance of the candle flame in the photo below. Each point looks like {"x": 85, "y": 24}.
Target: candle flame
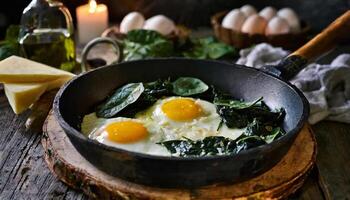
{"x": 93, "y": 6}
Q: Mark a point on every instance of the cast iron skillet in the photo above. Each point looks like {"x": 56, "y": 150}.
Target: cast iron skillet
{"x": 84, "y": 92}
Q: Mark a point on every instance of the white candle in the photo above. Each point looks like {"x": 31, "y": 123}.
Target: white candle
{"x": 92, "y": 20}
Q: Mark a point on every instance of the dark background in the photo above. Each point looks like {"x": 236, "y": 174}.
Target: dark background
{"x": 192, "y": 13}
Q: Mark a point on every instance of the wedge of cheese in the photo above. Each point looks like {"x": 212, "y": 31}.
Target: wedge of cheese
{"x": 20, "y": 70}
{"x": 22, "y": 95}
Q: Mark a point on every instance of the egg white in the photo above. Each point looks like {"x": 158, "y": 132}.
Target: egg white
{"x": 94, "y": 128}
{"x": 196, "y": 129}
{"x": 160, "y": 128}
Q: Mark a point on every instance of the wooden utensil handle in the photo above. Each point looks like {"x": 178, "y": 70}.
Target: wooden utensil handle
{"x": 327, "y": 39}
{"x": 323, "y": 42}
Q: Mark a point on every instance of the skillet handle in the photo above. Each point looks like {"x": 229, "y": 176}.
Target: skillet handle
{"x": 319, "y": 45}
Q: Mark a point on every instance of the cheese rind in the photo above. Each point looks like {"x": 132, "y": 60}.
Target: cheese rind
{"x": 20, "y": 70}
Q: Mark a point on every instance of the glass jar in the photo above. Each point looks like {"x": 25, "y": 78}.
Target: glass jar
{"x": 46, "y": 34}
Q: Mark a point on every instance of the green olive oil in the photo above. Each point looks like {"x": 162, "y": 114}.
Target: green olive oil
{"x": 54, "y": 47}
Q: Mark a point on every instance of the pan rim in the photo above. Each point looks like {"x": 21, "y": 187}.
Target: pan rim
{"x": 80, "y": 136}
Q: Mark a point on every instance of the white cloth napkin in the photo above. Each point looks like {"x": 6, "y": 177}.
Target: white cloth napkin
{"x": 327, "y": 87}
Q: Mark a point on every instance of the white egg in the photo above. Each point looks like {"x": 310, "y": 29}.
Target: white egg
{"x": 277, "y": 25}
{"x": 234, "y": 20}
{"x": 268, "y": 12}
{"x": 255, "y": 24}
{"x": 160, "y": 23}
{"x": 248, "y": 10}
{"x": 198, "y": 128}
{"x": 291, "y": 17}
{"x": 132, "y": 21}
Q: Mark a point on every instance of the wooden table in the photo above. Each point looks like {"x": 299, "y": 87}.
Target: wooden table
{"x": 24, "y": 174}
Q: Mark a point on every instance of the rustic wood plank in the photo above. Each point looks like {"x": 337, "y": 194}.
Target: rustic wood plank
{"x": 333, "y": 159}
{"x": 23, "y": 171}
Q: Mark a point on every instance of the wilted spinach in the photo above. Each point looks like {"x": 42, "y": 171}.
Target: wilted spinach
{"x": 274, "y": 134}
{"x": 153, "y": 91}
{"x": 218, "y": 145}
{"x": 187, "y": 86}
{"x": 238, "y": 114}
{"x": 235, "y": 104}
{"x": 213, "y": 145}
{"x": 246, "y": 142}
{"x": 121, "y": 98}
{"x": 159, "y": 88}
{"x": 134, "y": 97}
{"x": 141, "y": 44}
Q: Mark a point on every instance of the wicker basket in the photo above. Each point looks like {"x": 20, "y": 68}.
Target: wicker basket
{"x": 290, "y": 41}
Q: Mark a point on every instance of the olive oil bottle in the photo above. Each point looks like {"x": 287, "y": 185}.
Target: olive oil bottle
{"x": 47, "y": 34}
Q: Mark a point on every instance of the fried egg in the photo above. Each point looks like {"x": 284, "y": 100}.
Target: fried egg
{"x": 183, "y": 117}
{"x": 125, "y": 133}
{"x": 171, "y": 118}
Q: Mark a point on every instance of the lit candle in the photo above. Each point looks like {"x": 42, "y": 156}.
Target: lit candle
{"x": 92, "y": 20}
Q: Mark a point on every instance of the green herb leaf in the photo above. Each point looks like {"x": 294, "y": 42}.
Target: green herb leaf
{"x": 208, "y": 48}
{"x": 276, "y": 133}
{"x": 235, "y": 104}
{"x": 141, "y": 44}
{"x": 122, "y": 97}
{"x": 152, "y": 92}
{"x": 247, "y": 142}
{"x": 213, "y": 145}
{"x": 187, "y": 86}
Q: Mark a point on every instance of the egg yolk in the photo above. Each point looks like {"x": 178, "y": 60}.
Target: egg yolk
{"x": 181, "y": 109}
{"x": 126, "y": 131}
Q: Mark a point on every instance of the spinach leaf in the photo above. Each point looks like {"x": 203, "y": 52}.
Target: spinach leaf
{"x": 159, "y": 88}
{"x": 141, "y": 44}
{"x": 256, "y": 128}
{"x": 238, "y": 114}
{"x": 208, "y": 48}
{"x": 235, "y": 104}
{"x": 246, "y": 142}
{"x": 213, "y": 145}
{"x": 121, "y": 98}
{"x": 232, "y": 118}
{"x": 265, "y": 131}
{"x": 152, "y": 92}
{"x": 275, "y": 133}
{"x": 187, "y": 86}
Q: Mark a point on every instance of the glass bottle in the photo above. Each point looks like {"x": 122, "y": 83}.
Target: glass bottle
{"x": 46, "y": 34}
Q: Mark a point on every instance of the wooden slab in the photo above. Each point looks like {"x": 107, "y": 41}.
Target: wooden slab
{"x": 279, "y": 182}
